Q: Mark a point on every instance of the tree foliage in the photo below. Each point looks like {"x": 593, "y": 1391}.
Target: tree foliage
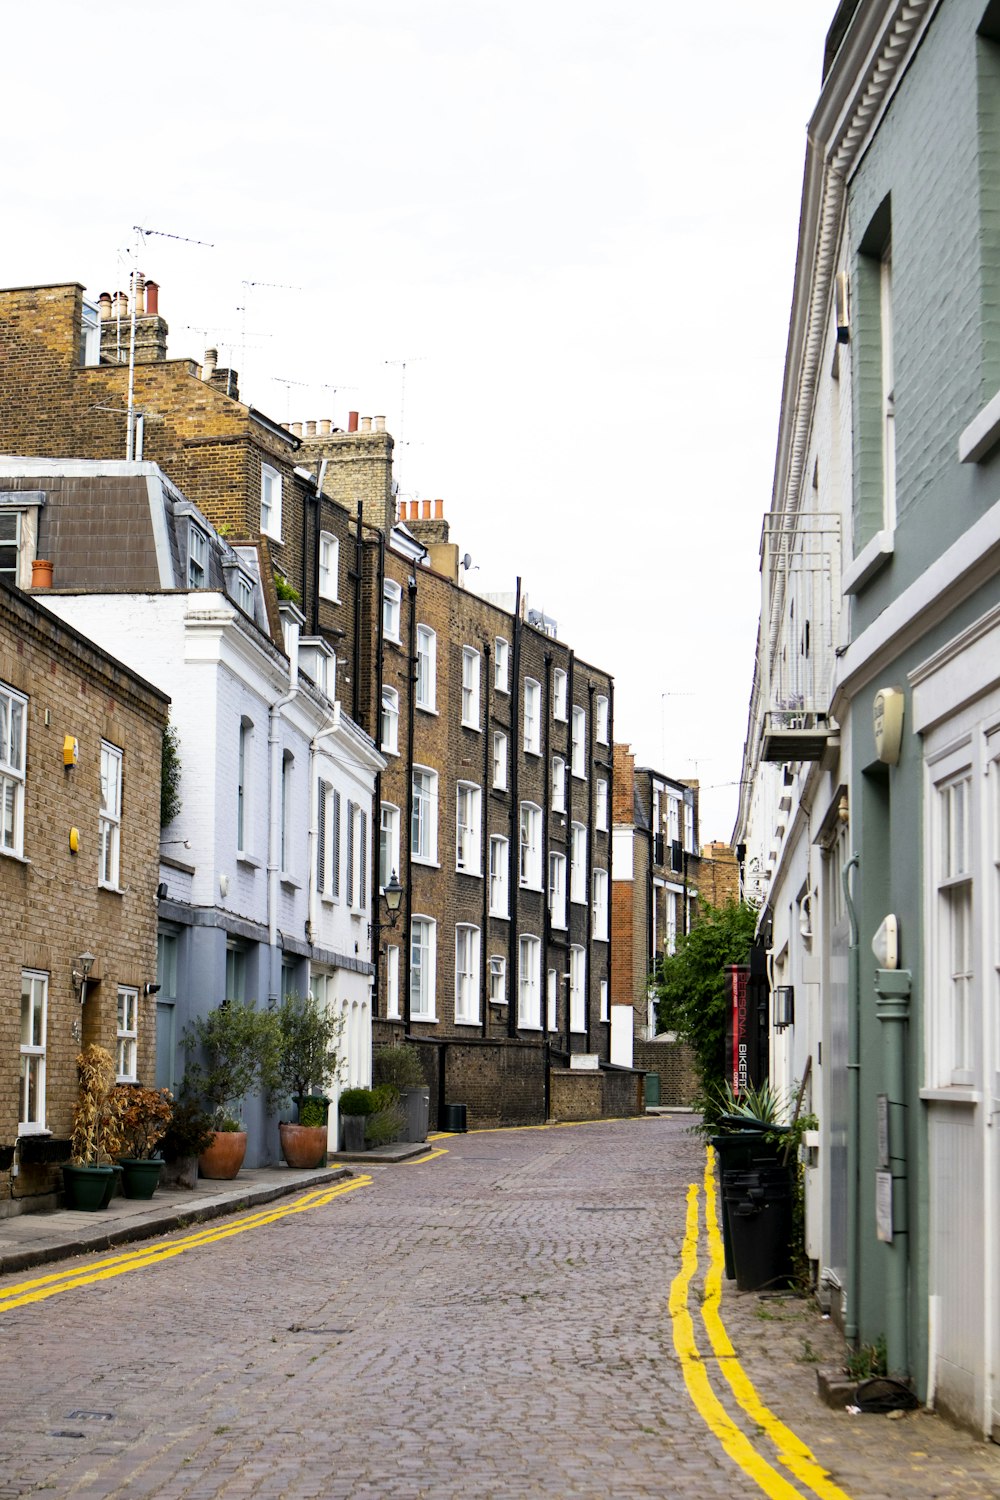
{"x": 691, "y": 984}
{"x": 170, "y": 777}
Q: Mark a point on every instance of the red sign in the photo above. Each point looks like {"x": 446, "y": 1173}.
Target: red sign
{"x": 740, "y": 1027}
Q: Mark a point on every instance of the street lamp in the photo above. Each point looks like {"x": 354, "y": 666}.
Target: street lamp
{"x": 393, "y": 894}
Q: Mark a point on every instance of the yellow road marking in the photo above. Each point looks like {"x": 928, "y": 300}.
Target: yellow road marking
{"x": 706, "y": 1402}
{"x": 423, "y": 1160}
{"x": 42, "y": 1287}
{"x": 792, "y": 1451}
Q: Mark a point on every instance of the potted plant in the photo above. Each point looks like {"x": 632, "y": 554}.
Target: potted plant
{"x": 355, "y": 1107}
{"x": 386, "y": 1122}
{"x": 89, "y": 1181}
{"x": 237, "y": 1047}
{"x": 189, "y": 1133}
{"x": 141, "y": 1117}
{"x": 399, "y": 1065}
{"x": 308, "y": 1061}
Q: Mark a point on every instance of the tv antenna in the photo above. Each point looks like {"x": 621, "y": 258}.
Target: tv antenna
{"x": 402, "y": 363}
{"x": 307, "y": 385}
{"x": 143, "y": 235}
{"x": 248, "y": 287}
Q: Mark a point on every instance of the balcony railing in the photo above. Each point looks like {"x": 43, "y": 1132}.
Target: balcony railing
{"x": 800, "y": 611}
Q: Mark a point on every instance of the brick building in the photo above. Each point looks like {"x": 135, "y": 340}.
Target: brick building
{"x": 80, "y": 758}
{"x": 499, "y": 778}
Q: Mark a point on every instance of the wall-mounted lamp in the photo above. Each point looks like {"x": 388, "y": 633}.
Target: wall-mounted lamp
{"x": 784, "y": 1006}
{"x": 81, "y": 973}
{"x": 161, "y": 891}
{"x": 392, "y": 895}
{"x": 150, "y": 989}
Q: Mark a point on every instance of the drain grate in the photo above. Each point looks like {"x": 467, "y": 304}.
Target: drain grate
{"x": 90, "y": 1416}
{"x": 300, "y": 1328}
{"x": 64, "y": 1432}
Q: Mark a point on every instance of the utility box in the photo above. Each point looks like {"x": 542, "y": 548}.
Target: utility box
{"x": 809, "y": 1157}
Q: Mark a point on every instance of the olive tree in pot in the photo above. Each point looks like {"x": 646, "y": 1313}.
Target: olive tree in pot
{"x": 308, "y": 1062}
{"x": 231, "y": 1051}
{"x": 398, "y": 1065}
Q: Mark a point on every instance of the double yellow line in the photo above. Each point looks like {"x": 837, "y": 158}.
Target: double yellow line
{"x": 792, "y": 1453}
{"x": 67, "y": 1280}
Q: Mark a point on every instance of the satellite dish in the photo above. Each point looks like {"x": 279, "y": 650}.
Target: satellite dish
{"x": 467, "y": 561}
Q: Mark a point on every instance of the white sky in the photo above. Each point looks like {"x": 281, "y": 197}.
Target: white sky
{"x": 575, "y": 222}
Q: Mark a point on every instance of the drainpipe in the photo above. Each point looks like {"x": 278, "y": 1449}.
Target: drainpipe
{"x": 893, "y": 986}
{"x": 405, "y": 833}
{"x": 356, "y": 654}
{"x": 853, "y": 1104}
{"x": 274, "y": 814}
{"x": 377, "y": 737}
{"x": 546, "y": 814}
{"x": 484, "y": 849}
{"x": 317, "y": 528}
{"x": 513, "y": 843}
{"x": 570, "y": 700}
{"x": 589, "y": 887}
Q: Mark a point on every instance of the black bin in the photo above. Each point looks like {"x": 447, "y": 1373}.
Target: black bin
{"x": 759, "y": 1208}
{"x": 455, "y": 1118}
{"x": 739, "y": 1150}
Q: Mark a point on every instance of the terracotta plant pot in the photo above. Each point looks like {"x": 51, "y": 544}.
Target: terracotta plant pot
{"x": 224, "y": 1157}
{"x": 303, "y": 1145}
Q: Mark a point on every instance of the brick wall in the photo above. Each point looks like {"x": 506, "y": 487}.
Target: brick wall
{"x": 674, "y": 1062}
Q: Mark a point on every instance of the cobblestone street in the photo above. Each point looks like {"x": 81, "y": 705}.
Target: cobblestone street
{"x": 490, "y": 1321}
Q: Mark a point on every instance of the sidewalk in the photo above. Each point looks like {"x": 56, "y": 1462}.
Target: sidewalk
{"x": 33, "y": 1239}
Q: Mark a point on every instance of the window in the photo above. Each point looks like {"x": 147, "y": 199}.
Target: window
{"x": 688, "y": 806}
{"x": 270, "y": 501}
{"x": 578, "y": 863}
{"x": 500, "y": 760}
{"x": 388, "y": 844}
{"x": 128, "y": 1034}
{"x": 673, "y": 818}
{"x": 423, "y": 952}
{"x": 498, "y": 979}
{"x": 600, "y": 880}
{"x": 499, "y": 868}
{"x": 529, "y": 982}
{"x": 552, "y": 999}
{"x": 467, "y": 974}
{"x": 557, "y": 889}
{"x": 577, "y": 990}
{"x": 242, "y": 787}
{"x": 601, "y": 811}
{"x": 392, "y": 982}
{"x": 197, "y": 556}
{"x": 110, "y": 820}
{"x": 391, "y": 595}
{"x": 470, "y": 687}
{"x": 954, "y": 1031}
{"x": 601, "y": 715}
{"x": 531, "y": 845}
{"x": 670, "y": 923}
{"x": 558, "y": 784}
{"x": 605, "y": 1006}
{"x": 423, "y": 824}
{"x": 329, "y": 566}
{"x": 468, "y": 807}
{"x": 10, "y": 544}
{"x": 34, "y": 1005}
{"x": 532, "y": 700}
{"x": 357, "y": 856}
{"x": 328, "y": 841}
{"x": 287, "y": 762}
{"x": 236, "y": 970}
{"x": 426, "y": 668}
{"x": 558, "y": 694}
{"x": 13, "y": 735}
{"x": 501, "y": 665}
{"x": 872, "y": 360}
{"x": 244, "y": 594}
{"x": 390, "y": 721}
{"x": 578, "y": 753}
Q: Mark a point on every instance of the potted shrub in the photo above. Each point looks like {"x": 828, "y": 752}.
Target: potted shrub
{"x": 386, "y": 1122}
{"x": 308, "y": 1061}
{"x": 399, "y": 1065}
{"x": 237, "y": 1047}
{"x": 141, "y": 1117}
{"x": 189, "y": 1133}
{"x": 355, "y": 1107}
{"x": 88, "y": 1180}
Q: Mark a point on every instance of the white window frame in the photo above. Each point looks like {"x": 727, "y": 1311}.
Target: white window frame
{"x": 244, "y": 594}
{"x": 197, "y": 557}
{"x": 468, "y": 828}
{"x": 532, "y": 716}
{"x": 530, "y": 846}
{"x": 499, "y": 876}
{"x": 499, "y": 760}
{"x": 109, "y": 822}
{"x": 13, "y": 575}
{"x": 578, "y": 864}
{"x": 270, "y": 501}
{"x": 601, "y": 806}
{"x": 599, "y": 880}
{"x": 389, "y": 723}
{"x": 471, "y": 670}
{"x": 557, "y": 888}
{"x": 578, "y": 751}
{"x": 498, "y": 979}
{"x": 357, "y": 856}
{"x": 558, "y": 784}
{"x": 605, "y": 1001}
{"x": 501, "y": 665}
{"x": 426, "y": 685}
{"x": 577, "y": 988}
{"x": 552, "y": 999}
{"x": 329, "y": 567}
{"x": 392, "y": 982}
{"x": 529, "y": 978}
{"x": 286, "y": 811}
{"x": 127, "y": 1035}
{"x": 560, "y": 683}
{"x": 34, "y": 991}
{"x": 392, "y": 596}
{"x": 244, "y": 821}
{"x": 424, "y": 819}
{"x": 423, "y": 973}
{"x": 467, "y": 946}
{"x": 13, "y": 757}
{"x": 955, "y": 993}
{"x": 602, "y": 717}
{"x": 388, "y": 843}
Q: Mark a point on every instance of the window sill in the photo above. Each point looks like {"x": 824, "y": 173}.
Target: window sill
{"x": 428, "y": 864}
{"x": 461, "y": 1021}
{"x": 391, "y": 640}
{"x": 290, "y": 883}
{"x": 329, "y": 599}
{"x": 957, "y": 1094}
{"x": 473, "y": 874}
{"x": 476, "y": 728}
{"x": 528, "y": 885}
{"x": 423, "y": 1020}
{"x": 386, "y": 751}
{"x": 329, "y": 900}
{"x": 501, "y": 916}
{"x": 112, "y": 890}
{"x": 250, "y": 860}
{"x": 20, "y": 859}
{"x": 872, "y": 557}
{"x": 423, "y": 709}
{"x": 981, "y": 436}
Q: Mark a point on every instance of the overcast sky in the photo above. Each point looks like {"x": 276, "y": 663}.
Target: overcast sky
{"x": 574, "y": 223}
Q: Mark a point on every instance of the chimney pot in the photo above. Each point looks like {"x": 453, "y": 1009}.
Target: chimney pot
{"x": 324, "y": 426}
{"x": 310, "y": 429}
{"x": 140, "y": 295}
{"x": 210, "y": 362}
{"x": 152, "y": 299}
{"x": 104, "y": 302}
{"x": 414, "y": 510}
{"x": 120, "y": 305}
{"x": 380, "y": 424}
{"x": 427, "y": 509}
{"x": 439, "y": 510}
{"x": 352, "y": 421}
{"x": 297, "y": 429}
{"x": 366, "y": 424}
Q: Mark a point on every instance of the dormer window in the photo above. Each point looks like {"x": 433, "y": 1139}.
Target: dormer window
{"x": 197, "y": 557}
{"x": 19, "y": 512}
{"x": 244, "y": 593}
{"x": 270, "y": 501}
